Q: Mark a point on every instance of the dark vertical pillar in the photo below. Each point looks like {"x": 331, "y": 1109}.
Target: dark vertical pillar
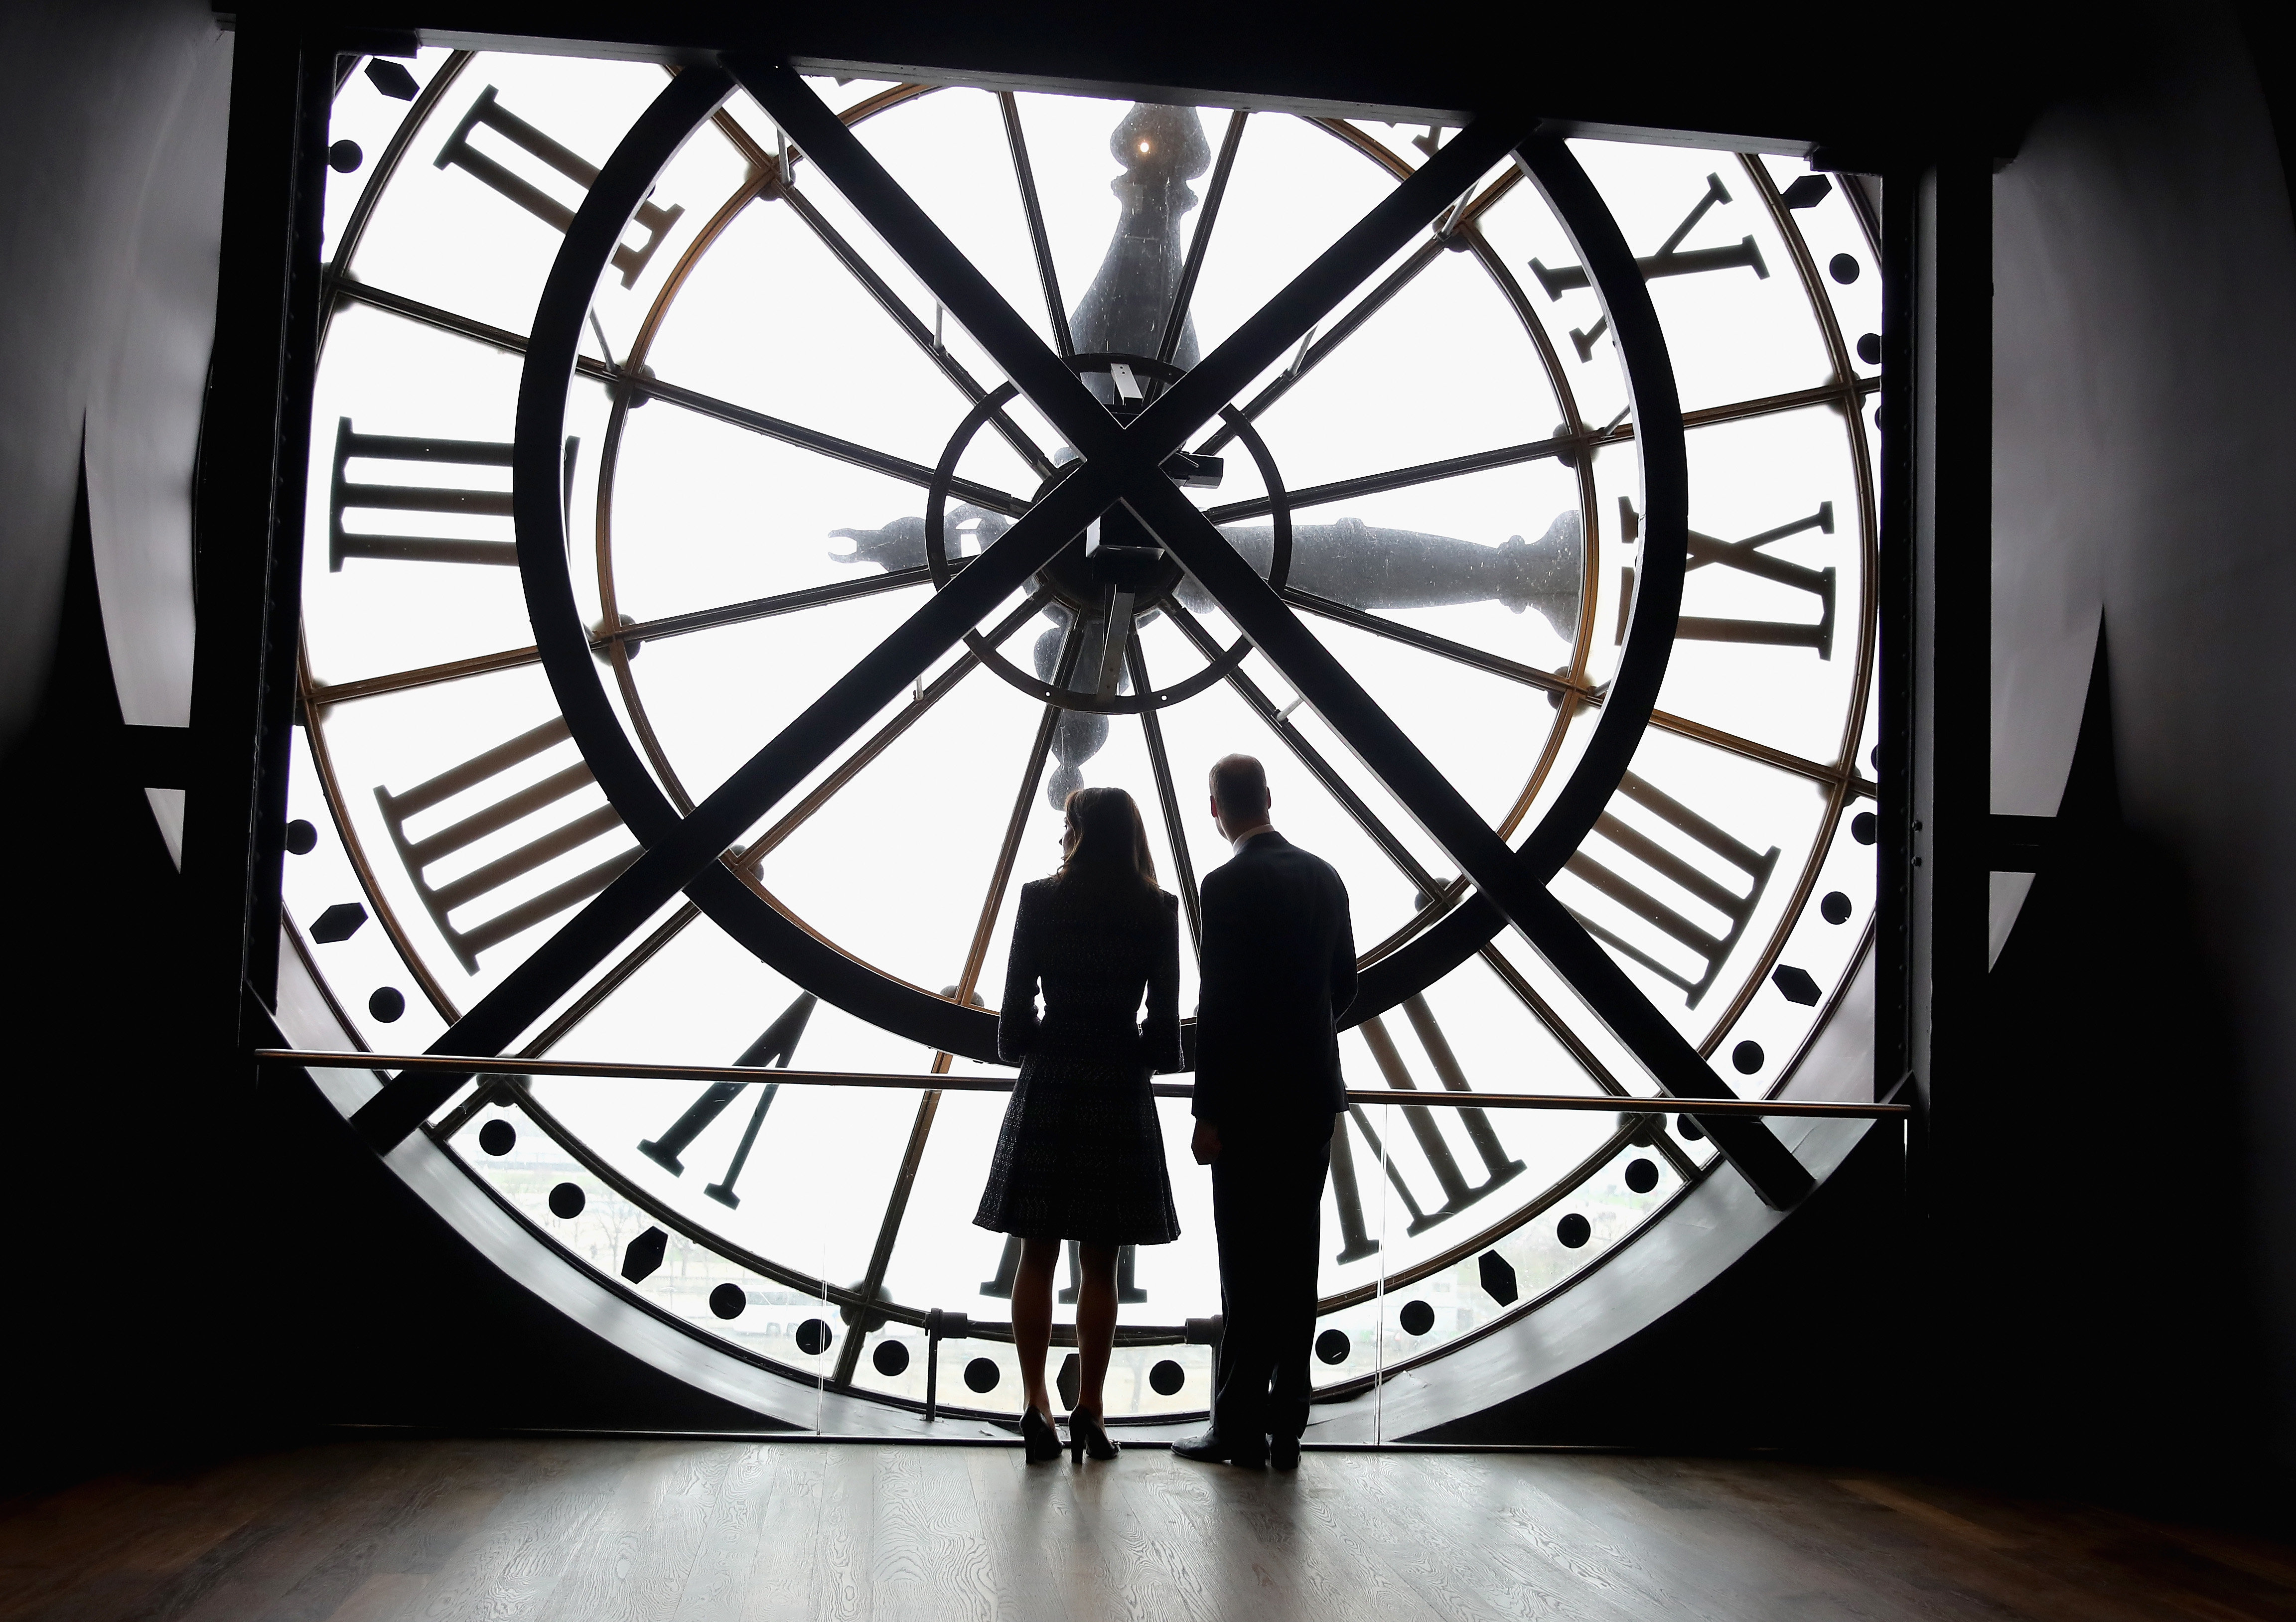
{"x": 249, "y": 518}
{"x": 1893, "y": 1058}
{"x": 1949, "y": 800}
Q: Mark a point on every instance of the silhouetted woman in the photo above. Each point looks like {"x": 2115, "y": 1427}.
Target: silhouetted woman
{"x": 1081, "y": 1155}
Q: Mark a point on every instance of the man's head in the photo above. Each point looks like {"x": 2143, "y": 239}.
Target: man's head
{"x": 1240, "y": 796}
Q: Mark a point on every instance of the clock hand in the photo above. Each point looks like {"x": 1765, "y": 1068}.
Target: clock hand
{"x": 1366, "y": 567}
{"x": 1124, "y": 309}
{"x": 1349, "y": 560}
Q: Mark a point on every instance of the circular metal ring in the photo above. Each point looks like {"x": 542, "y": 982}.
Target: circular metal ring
{"x": 1279, "y": 562}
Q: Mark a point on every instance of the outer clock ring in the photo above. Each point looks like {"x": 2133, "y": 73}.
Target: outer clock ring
{"x": 788, "y": 945}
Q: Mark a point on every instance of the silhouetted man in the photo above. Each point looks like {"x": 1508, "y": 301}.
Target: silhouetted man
{"x": 1279, "y": 968}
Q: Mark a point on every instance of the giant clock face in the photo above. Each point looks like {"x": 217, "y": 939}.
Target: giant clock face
{"x": 597, "y": 515}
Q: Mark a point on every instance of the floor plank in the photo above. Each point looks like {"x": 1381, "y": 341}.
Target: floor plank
{"x": 507, "y": 1529}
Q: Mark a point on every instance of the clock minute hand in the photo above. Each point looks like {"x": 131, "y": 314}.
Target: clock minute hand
{"x": 1362, "y": 565}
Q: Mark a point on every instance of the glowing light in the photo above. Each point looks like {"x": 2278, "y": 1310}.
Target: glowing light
{"x": 1143, "y": 146}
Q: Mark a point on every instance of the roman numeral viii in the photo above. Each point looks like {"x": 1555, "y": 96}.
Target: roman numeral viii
{"x": 1677, "y": 881}
{"x": 489, "y": 113}
{"x": 777, "y": 1047}
{"x": 442, "y": 899}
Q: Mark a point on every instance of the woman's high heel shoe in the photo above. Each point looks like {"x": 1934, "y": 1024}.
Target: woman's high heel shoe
{"x": 1087, "y": 1436}
{"x": 1038, "y": 1440}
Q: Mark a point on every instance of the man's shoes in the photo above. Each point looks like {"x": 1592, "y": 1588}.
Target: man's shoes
{"x": 1213, "y": 1448}
{"x": 1283, "y": 1452}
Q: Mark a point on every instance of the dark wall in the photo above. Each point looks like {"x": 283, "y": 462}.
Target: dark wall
{"x": 2116, "y": 1243}
{"x": 109, "y": 1185}
{"x": 204, "y": 1262}
{"x": 200, "y": 1261}
{"x": 96, "y": 103}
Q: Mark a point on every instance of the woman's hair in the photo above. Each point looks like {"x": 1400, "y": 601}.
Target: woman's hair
{"x": 1112, "y": 853}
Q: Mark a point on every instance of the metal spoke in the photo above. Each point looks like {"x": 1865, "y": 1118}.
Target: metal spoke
{"x": 693, "y": 401}
{"x": 448, "y": 321}
{"x": 785, "y": 189}
{"x": 1843, "y": 776}
{"x": 764, "y": 608}
{"x": 1531, "y": 450}
{"x": 1547, "y": 681}
{"x": 321, "y": 695}
{"x": 1280, "y": 723}
{"x": 889, "y": 1229}
{"x": 1176, "y": 322}
{"x": 941, "y": 687}
{"x": 1370, "y": 304}
{"x": 1017, "y": 824}
{"x": 1026, "y": 178}
{"x": 1175, "y": 830}
{"x": 1427, "y": 642}
{"x": 919, "y": 335}
{"x": 830, "y": 445}
{"x": 643, "y": 630}
{"x": 1400, "y": 479}
{"x": 1544, "y": 1012}
{"x": 1319, "y": 350}
{"x": 578, "y": 1011}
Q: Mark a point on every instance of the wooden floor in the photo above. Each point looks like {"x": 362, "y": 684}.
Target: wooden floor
{"x": 388, "y": 1529}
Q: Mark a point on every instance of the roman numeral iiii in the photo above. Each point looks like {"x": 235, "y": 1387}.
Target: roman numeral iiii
{"x": 442, "y": 899}
{"x": 488, "y": 113}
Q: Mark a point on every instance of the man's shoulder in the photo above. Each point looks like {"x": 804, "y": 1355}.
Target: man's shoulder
{"x": 1277, "y": 859}
{"x": 1300, "y": 859}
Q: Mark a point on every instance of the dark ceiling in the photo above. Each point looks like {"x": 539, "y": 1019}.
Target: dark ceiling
{"x": 1871, "y": 84}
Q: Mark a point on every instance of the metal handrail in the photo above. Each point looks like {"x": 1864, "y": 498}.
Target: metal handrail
{"x": 612, "y": 1069}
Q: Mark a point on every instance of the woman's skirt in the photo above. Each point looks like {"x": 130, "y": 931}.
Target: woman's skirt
{"x": 1081, "y": 1157}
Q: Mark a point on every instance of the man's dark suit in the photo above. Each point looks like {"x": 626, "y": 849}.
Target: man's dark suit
{"x": 1279, "y": 968}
